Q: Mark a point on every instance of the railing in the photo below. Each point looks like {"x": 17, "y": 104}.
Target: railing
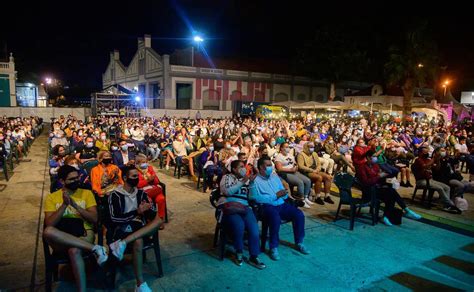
{"x": 4, "y": 65}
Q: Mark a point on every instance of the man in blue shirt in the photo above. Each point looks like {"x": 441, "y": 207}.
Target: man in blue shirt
{"x": 268, "y": 190}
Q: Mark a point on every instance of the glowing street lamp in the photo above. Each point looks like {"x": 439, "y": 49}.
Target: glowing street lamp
{"x": 420, "y": 65}
{"x": 445, "y": 85}
{"x": 198, "y": 39}
{"x": 48, "y": 80}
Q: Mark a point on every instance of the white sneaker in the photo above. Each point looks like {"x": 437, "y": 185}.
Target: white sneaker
{"x": 167, "y": 167}
{"x": 306, "y": 205}
{"x": 308, "y": 201}
{"x": 143, "y": 288}
{"x": 100, "y": 254}
{"x": 118, "y": 248}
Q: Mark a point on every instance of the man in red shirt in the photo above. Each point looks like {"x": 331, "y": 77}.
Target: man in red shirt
{"x": 422, "y": 171}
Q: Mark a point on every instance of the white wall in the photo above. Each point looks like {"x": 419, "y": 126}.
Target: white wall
{"x": 44, "y": 112}
{"x": 175, "y": 80}
{"x": 158, "y": 113}
{"x": 301, "y": 90}
{"x": 319, "y": 91}
{"x": 281, "y": 88}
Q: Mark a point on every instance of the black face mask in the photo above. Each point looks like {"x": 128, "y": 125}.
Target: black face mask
{"x": 132, "y": 181}
{"x": 73, "y": 185}
{"x": 106, "y": 161}
{"x": 426, "y": 155}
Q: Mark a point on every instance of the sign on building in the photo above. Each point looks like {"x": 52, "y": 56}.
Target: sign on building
{"x": 467, "y": 97}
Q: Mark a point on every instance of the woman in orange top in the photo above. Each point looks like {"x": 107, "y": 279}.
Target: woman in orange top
{"x": 149, "y": 183}
{"x": 106, "y": 176}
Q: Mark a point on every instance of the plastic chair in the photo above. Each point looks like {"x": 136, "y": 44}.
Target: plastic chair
{"x": 344, "y": 183}
{"x": 53, "y": 260}
{"x": 219, "y": 232}
{"x": 426, "y": 191}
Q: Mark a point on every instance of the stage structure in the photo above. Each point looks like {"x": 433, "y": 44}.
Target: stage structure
{"x": 117, "y": 100}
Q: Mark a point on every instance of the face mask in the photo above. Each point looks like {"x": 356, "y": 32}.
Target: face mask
{"x": 344, "y": 140}
{"x": 133, "y": 182}
{"x": 311, "y": 150}
{"x": 273, "y": 143}
{"x": 228, "y": 146}
{"x": 242, "y": 171}
{"x": 144, "y": 165}
{"x": 73, "y": 185}
{"x": 62, "y": 154}
{"x": 331, "y": 142}
{"x": 211, "y": 148}
{"x": 395, "y": 137}
{"x": 268, "y": 170}
{"x": 124, "y": 147}
{"x": 103, "y": 138}
{"x": 114, "y": 148}
{"x": 9, "y": 134}
{"x": 443, "y": 154}
{"x": 90, "y": 144}
{"x": 106, "y": 161}
{"x": 374, "y": 159}
{"x": 80, "y": 134}
{"x": 287, "y": 150}
{"x": 425, "y": 155}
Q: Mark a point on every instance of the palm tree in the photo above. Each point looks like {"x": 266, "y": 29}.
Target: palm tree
{"x": 412, "y": 65}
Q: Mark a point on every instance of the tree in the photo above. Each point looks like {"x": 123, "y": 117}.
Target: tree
{"x": 336, "y": 52}
{"x": 412, "y": 64}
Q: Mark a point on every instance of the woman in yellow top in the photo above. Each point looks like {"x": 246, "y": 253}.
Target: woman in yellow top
{"x": 103, "y": 143}
{"x": 69, "y": 216}
{"x": 106, "y": 176}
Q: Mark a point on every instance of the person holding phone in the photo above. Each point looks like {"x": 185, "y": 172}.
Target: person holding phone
{"x": 370, "y": 175}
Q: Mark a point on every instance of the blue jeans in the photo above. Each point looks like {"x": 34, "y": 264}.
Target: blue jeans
{"x": 391, "y": 170}
{"x": 236, "y": 224}
{"x": 302, "y": 183}
{"x": 154, "y": 152}
{"x": 140, "y": 145}
{"x": 272, "y": 215}
{"x": 211, "y": 171}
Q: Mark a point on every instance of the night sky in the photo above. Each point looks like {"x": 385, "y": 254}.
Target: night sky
{"x": 72, "y": 43}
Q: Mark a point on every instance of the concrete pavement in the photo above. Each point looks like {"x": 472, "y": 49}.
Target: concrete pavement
{"x": 414, "y": 255}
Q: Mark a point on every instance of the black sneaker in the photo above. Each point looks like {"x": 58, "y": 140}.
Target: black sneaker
{"x": 452, "y": 209}
{"x": 254, "y": 261}
{"x": 409, "y": 185}
{"x": 239, "y": 259}
{"x": 404, "y": 185}
{"x": 319, "y": 201}
{"x": 328, "y": 200}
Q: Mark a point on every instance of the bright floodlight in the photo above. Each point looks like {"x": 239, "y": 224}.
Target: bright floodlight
{"x": 198, "y": 39}
{"x": 137, "y": 98}
{"x": 48, "y": 80}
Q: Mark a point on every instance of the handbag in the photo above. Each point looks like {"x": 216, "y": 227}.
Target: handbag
{"x": 231, "y": 208}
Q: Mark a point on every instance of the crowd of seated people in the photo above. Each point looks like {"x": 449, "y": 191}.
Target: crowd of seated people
{"x": 16, "y": 136}
{"x": 272, "y": 163}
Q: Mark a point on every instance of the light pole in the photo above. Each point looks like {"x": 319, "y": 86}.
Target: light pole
{"x": 445, "y": 85}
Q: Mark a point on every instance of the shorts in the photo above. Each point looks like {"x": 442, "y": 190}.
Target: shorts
{"x": 124, "y": 230}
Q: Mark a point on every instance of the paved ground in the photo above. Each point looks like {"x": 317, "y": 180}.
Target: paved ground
{"x": 413, "y": 256}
